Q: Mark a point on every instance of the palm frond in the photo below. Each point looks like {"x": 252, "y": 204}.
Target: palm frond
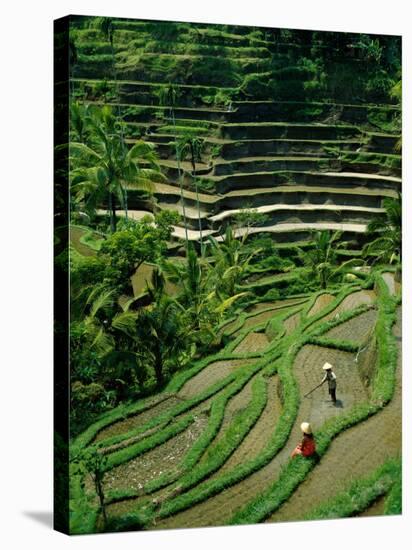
{"x": 103, "y": 343}
{"x": 103, "y": 301}
{"x": 229, "y": 302}
{"x": 83, "y": 150}
{"x": 125, "y": 322}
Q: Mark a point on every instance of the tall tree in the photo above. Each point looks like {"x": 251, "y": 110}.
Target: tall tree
{"x": 102, "y": 169}
{"x": 95, "y": 464}
{"x": 192, "y": 276}
{"x": 107, "y": 28}
{"x": 161, "y": 330}
{"x": 168, "y": 96}
{"x": 192, "y": 146}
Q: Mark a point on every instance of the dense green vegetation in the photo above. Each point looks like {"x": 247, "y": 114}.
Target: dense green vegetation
{"x": 235, "y": 196}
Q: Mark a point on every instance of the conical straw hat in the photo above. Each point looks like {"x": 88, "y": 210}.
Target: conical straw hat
{"x": 306, "y": 428}
{"x": 327, "y": 366}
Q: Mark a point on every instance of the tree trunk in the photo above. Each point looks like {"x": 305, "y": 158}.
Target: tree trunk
{"x": 158, "y": 367}
{"x": 323, "y": 279}
{"x": 192, "y": 152}
{"x": 100, "y": 494}
{"x": 179, "y": 175}
{"x": 112, "y": 209}
{"x": 119, "y": 115}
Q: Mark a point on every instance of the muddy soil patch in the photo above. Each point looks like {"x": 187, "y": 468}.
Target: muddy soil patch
{"x": 137, "y": 420}
{"x": 236, "y": 404}
{"x": 257, "y": 319}
{"x": 350, "y": 302}
{"x": 292, "y": 322}
{"x": 321, "y": 302}
{"x": 254, "y": 341}
{"x": 356, "y": 329}
{"x": 279, "y": 304}
{"x": 256, "y": 439}
{"x": 318, "y": 407}
{"x": 210, "y": 375}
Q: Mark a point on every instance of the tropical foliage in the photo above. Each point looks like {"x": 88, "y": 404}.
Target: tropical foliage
{"x": 103, "y": 169}
{"x": 321, "y": 262}
{"x": 386, "y": 234}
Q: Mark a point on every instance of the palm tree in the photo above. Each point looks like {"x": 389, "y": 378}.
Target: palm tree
{"x": 103, "y": 169}
{"x": 161, "y": 328}
{"x": 231, "y": 261}
{"x": 192, "y": 277}
{"x": 321, "y": 261}
{"x": 104, "y": 321}
{"x": 79, "y": 114}
{"x": 192, "y": 146}
{"x": 168, "y": 96}
{"x": 387, "y": 229}
{"x": 199, "y": 296}
{"x": 106, "y": 27}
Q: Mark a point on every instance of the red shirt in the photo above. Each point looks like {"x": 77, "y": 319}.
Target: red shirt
{"x": 308, "y": 446}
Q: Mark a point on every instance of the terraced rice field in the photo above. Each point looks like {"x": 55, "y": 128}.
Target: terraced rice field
{"x": 306, "y": 164}
{"x": 233, "y": 468}
{"x": 213, "y": 448}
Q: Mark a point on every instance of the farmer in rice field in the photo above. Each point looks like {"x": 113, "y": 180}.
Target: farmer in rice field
{"x": 330, "y": 377}
{"x": 307, "y": 446}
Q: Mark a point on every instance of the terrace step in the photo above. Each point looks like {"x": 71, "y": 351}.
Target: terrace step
{"x": 265, "y": 179}
{"x": 261, "y": 164}
{"x": 267, "y": 147}
{"x": 370, "y": 197}
{"x": 268, "y": 130}
{"x": 299, "y": 111}
{"x": 299, "y": 207}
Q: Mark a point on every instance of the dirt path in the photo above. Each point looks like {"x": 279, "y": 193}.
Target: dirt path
{"x": 354, "y": 454}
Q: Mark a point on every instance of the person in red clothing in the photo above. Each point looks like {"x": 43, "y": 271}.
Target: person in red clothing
{"x": 307, "y": 446}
